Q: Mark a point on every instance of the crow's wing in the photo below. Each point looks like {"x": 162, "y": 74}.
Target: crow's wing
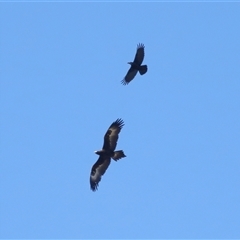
{"x": 139, "y": 54}
{"x": 129, "y": 76}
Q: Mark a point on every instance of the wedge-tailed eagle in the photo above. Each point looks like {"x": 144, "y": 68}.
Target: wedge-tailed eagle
{"x": 136, "y": 65}
{"x": 107, "y": 152}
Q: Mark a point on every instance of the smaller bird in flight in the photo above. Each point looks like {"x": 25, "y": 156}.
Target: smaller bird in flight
{"x": 136, "y": 65}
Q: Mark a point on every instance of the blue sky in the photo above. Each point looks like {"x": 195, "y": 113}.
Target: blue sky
{"x": 61, "y": 67}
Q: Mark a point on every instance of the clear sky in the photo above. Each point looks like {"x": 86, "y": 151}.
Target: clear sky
{"x": 61, "y": 68}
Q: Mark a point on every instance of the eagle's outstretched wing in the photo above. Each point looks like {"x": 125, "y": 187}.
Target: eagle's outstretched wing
{"x": 98, "y": 169}
{"x": 111, "y": 136}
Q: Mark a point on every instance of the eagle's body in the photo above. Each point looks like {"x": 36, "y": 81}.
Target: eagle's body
{"x": 107, "y": 152}
{"x": 136, "y": 65}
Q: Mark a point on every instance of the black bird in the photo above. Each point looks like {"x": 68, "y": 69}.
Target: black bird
{"x": 107, "y": 152}
{"x": 136, "y": 65}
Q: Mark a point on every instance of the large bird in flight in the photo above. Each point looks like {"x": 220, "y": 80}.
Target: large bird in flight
{"x": 136, "y": 65}
{"x": 107, "y": 152}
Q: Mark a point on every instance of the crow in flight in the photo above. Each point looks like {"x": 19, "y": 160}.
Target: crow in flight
{"x": 136, "y": 65}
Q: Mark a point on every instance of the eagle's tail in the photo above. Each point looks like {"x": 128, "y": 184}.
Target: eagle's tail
{"x": 143, "y": 69}
{"x": 118, "y": 155}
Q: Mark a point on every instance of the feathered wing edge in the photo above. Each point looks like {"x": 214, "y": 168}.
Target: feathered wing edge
{"x": 140, "y": 45}
{"x": 120, "y": 123}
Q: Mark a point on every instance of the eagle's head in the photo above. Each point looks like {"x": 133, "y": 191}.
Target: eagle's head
{"x": 130, "y": 63}
{"x": 99, "y": 152}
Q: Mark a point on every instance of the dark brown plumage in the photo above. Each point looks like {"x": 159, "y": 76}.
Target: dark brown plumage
{"x": 136, "y": 65}
{"x": 107, "y": 152}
